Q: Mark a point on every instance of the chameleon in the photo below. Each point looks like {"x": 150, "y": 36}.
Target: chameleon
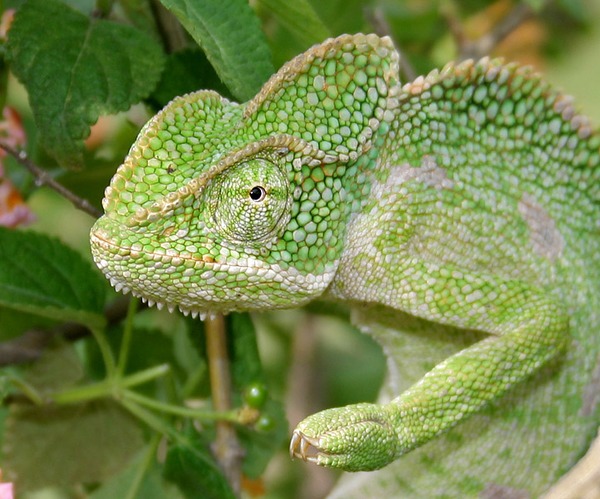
{"x": 458, "y": 217}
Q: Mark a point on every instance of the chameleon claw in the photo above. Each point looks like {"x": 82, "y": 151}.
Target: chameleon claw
{"x": 304, "y": 447}
{"x": 353, "y": 438}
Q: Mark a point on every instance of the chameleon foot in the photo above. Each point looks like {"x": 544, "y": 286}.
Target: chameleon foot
{"x": 354, "y": 438}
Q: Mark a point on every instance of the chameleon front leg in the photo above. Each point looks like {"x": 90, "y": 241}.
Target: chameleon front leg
{"x": 527, "y": 328}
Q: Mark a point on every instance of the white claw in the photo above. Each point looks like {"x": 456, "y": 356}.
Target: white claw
{"x": 303, "y": 447}
{"x": 160, "y": 305}
{"x": 171, "y": 307}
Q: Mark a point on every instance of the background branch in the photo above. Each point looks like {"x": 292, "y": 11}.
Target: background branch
{"x": 42, "y": 177}
{"x": 382, "y": 28}
{"x": 226, "y": 446}
{"x": 484, "y": 45}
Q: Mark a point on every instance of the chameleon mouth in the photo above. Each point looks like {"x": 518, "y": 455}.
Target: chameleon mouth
{"x": 196, "y": 284}
{"x": 100, "y": 239}
{"x": 110, "y": 258}
{"x": 119, "y": 282}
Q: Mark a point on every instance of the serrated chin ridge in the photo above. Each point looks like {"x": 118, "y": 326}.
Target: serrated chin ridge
{"x": 171, "y": 307}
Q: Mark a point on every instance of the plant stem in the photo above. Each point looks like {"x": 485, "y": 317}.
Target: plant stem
{"x": 109, "y": 386}
{"x": 28, "y": 390}
{"x": 134, "y": 488}
{"x": 83, "y": 393}
{"x": 176, "y": 410}
{"x": 146, "y": 375}
{"x": 154, "y": 422}
{"x": 105, "y": 350}
{"x": 193, "y": 380}
{"x": 126, "y": 340}
{"x": 42, "y": 177}
{"x": 226, "y": 447}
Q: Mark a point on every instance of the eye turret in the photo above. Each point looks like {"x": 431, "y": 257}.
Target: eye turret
{"x": 250, "y": 201}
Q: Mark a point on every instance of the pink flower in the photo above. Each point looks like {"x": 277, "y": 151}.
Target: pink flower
{"x": 13, "y": 209}
{"x": 6, "y": 491}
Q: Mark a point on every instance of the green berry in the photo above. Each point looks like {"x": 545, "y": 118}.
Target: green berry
{"x": 265, "y": 423}
{"x": 255, "y": 395}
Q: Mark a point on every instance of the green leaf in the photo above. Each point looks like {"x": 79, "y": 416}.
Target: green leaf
{"x": 300, "y": 19}
{"x": 229, "y": 33}
{"x": 58, "y": 367}
{"x": 186, "y": 71}
{"x": 42, "y": 276}
{"x": 152, "y": 486}
{"x": 76, "y": 69}
{"x": 65, "y": 445}
{"x": 192, "y": 467}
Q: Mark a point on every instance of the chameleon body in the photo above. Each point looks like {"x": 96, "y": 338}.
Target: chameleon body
{"x": 458, "y": 215}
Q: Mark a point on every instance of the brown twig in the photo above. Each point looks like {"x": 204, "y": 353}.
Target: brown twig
{"x": 25, "y": 348}
{"x": 173, "y": 35}
{"x": 42, "y": 177}
{"x": 382, "y": 28}
{"x": 475, "y": 49}
{"x": 226, "y": 446}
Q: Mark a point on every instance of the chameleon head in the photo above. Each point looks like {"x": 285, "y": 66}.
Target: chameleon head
{"x": 222, "y": 207}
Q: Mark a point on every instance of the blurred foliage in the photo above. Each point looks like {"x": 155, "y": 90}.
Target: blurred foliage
{"x": 102, "y": 401}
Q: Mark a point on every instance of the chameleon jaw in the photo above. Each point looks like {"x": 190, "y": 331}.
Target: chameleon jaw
{"x": 205, "y": 286}
{"x": 103, "y": 245}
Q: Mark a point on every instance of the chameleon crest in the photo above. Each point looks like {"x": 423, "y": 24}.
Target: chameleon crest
{"x": 458, "y": 215}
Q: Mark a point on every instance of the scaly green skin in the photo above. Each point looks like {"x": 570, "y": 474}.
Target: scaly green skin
{"x": 464, "y": 201}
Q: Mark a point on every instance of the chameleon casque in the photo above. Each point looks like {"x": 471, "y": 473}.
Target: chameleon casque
{"x": 457, "y": 215}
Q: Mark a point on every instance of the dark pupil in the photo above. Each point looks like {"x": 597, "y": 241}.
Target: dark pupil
{"x": 257, "y": 193}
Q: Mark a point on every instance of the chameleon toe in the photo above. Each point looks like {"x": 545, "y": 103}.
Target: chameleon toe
{"x": 304, "y": 447}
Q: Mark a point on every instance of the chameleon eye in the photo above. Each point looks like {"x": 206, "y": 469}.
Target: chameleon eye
{"x": 257, "y": 193}
{"x": 243, "y": 212}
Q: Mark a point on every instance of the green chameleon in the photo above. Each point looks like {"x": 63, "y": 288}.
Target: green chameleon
{"x": 457, "y": 215}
